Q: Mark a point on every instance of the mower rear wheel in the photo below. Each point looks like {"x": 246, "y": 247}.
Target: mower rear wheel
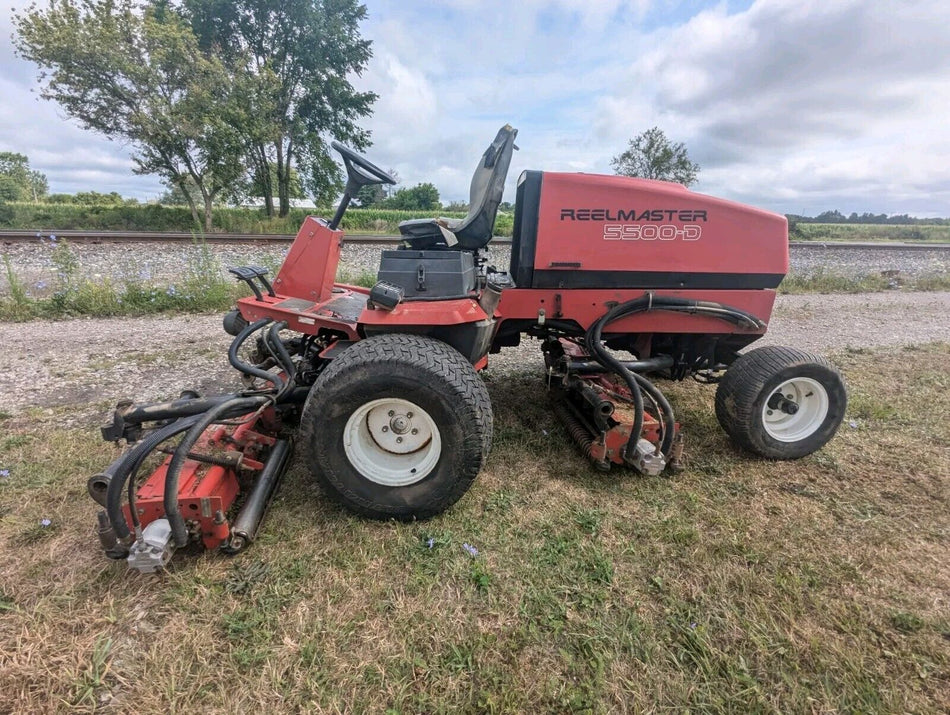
{"x": 398, "y": 426}
{"x": 781, "y": 403}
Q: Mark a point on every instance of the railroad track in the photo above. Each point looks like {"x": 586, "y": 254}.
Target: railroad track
{"x": 14, "y": 237}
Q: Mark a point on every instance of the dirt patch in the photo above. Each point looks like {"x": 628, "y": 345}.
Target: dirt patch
{"x": 93, "y": 363}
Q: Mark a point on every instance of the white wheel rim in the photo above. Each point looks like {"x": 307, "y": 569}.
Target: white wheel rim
{"x": 812, "y": 402}
{"x": 392, "y": 442}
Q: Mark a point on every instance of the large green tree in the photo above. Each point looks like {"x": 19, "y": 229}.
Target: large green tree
{"x": 651, "y": 155}
{"x": 134, "y": 72}
{"x": 18, "y": 182}
{"x": 301, "y": 56}
{"x": 421, "y": 197}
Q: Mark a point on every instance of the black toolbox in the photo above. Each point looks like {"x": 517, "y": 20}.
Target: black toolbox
{"x": 429, "y": 274}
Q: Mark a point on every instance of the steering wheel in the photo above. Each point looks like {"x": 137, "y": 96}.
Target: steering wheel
{"x": 359, "y": 169}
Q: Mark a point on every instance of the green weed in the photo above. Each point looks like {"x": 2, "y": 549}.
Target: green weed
{"x": 94, "y": 677}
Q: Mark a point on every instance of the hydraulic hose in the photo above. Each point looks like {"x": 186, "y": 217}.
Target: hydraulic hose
{"x": 634, "y": 382}
{"x": 131, "y": 463}
{"x": 242, "y": 366}
{"x": 666, "y": 443}
{"x": 594, "y": 344}
{"x": 170, "y": 502}
{"x": 279, "y": 351}
{"x": 277, "y": 347}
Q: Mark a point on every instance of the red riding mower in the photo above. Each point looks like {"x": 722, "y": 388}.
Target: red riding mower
{"x": 619, "y": 278}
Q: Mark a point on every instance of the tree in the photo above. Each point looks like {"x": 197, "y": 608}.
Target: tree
{"x": 830, "y": 217}
{"x": 96, "y": 198}
{"x": 258, "y": 185}
{"x": 371, "y": 195}
{"x": 9, "y": 189}
{"x": 421, "y": 197}
{"x": 299, "y": 55}
{"x": 651, "y": 155}
{"x": 134, "y": 72}
{"x": 376, "y": 194}
{"x": 18, "y": 182}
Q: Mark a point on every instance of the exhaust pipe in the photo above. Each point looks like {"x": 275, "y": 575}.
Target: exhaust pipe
{"x": 245, "y": 526}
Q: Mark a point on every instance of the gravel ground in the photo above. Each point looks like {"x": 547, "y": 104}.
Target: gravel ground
{"x": 165, "y": 263}
{"x": 88, "y": 364}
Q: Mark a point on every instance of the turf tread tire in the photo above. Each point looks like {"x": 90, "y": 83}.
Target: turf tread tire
{"x": 751, "y": 380}
{"x": 390, "y": 362}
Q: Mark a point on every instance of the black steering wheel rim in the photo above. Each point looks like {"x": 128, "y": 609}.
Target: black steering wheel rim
{"x": 368, "y": 170}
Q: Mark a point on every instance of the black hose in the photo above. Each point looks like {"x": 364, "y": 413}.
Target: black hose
{"x": 594, "y": 344}
{"x": 131, "y": 462}
{"x": 277, "y": 347}
{"x": 239, "y": 405}
{"x": 239, "y": 364}
{"x": 651, "y": 364}
{"x": 642, "y": 304}
{"x": 664, "y": 406}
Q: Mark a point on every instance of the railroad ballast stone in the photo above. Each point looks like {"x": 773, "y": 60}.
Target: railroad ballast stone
{"x": 166, "y": 263}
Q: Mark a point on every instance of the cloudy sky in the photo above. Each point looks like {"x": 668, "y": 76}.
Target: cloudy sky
{"x": 794, "y": 105}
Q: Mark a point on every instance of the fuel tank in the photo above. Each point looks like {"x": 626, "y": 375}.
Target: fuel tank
{"x": 591, "y": 231}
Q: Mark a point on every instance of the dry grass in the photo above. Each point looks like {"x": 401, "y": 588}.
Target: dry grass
{"x": 738, "y": 586}
{"x": 830, "y": 281}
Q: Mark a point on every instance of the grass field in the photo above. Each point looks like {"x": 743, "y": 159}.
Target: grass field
{"x": 737, "y": 586}
{"x": 153, "y": 217}
{"x": 868, "y": 232}
{"x": 824, "y": 280}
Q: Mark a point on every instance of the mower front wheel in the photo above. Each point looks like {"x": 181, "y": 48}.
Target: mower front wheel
{"x": 397, "y": 426}
{"x": 781, "y": 403}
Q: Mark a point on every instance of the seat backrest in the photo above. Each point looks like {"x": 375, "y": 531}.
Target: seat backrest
{"x": 488, "y": 185}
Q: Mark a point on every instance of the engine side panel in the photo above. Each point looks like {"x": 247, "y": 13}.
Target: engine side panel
{"x": 618, "y": 232}
{"x": 585, "y": 307}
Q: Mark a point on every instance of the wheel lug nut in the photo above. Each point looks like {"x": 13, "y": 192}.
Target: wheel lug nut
{"x": 386, "y": 429}
{"x": 398, "y": 439}
{"x": 768, "y": 412}
{"x": 391, "y": 413}
{"x": 409, "y": 415}
{"x": 415, "y": 431}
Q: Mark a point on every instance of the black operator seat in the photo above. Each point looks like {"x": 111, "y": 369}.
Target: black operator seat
{"x": 475, "y": 230}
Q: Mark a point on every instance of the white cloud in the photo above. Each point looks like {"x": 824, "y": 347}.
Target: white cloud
{"x": 72, "y": 159}
{"x": 799, "y": 101}
{"x": 789, "y": 104}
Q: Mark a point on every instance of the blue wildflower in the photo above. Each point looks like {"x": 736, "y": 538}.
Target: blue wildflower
{"x": 4, "y": 473}
{"x": 430, "y": 542}
{"x": 472, "y": 551}
{"x": 40, "y": 285}
{"x": 171, "y": 290}
{"x": 45, "y": 522}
